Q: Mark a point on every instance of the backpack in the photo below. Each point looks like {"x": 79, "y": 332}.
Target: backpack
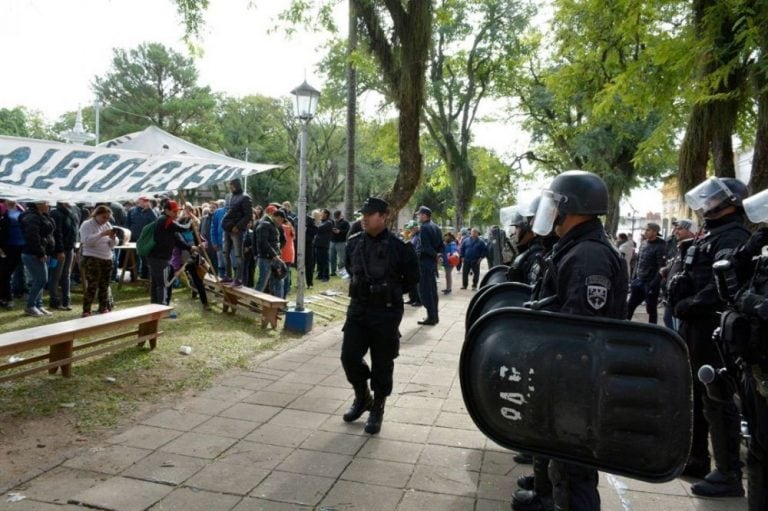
{"x": 146, "y": 241}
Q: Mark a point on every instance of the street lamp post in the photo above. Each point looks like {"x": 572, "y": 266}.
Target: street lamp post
{"x": 299, "y": 319}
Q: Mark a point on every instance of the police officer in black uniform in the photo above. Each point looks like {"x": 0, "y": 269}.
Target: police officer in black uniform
{"x": 528, "y": 266}
{"x": 382, "y": 268}
{"x": 693, "y": 294}
{"x": 743, "y": 342}
{"x": 584, "y": 275}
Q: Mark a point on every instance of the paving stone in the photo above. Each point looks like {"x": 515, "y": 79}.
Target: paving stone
{"x": 223, "y": 426}
{"x": 123, "y": 494}
{"x": 382, "y": 473}
{"x": 144, "y": 437}
{"x": 202, "y": 405}
{"x": 58, "y": 485}
{"x": 457, "y": 438}
{"x": 335, "y": 424}
{"x": 414, "y": 433}
{"x": 249, "y": 504}
{"x": 276, "y": 434}
{"x": 249, "y": 412}
{"x": 423, "y": 390}
{"x": 255, "y": 454}
{"x": 174, "y": 419}
{"x": 440, "y": 455}
{"x": 321, "y": 391}
{"x": 111, "y": 459}
{"x": 496, "y": 487}
{"x": 224, "y": 477}
{"x": 318, "y": 404}
{"x": 422, "y": 501}
{"x": 302, "y": 375}
{"x": 199, "y": 445}
{"x": 454, "y": 481}
{"x": 454, "y": 406}
{"x": 288, "y": 387}
{"x": 500, "y": 463}
{"x": 390, "y": 450}
{"x": 337, "y": 380}
{"x": 455, "y": 421}
{"x": 361, "y": 496}
{"x": 33, "y": 505}
{"x": 424, "y": 416}
{"x": 280, "y": 365}
{"x": 266, "y": 372}
{"x": 264, "y": 397}
{"x": 299, "y": 419}
{"x": 418, "y": 402}
{"x": 245, "y": 381}
{"x": 338, "y": 443}
{"x": 674, "y": 487}
{"x": 293, "y": 488}
{"x": 228, "y": 394}
{"x": 195, "y": 500}
{"x": 315, "y": 463}
{"x": 500, "y": 505}
{"x": 164, "y": 467}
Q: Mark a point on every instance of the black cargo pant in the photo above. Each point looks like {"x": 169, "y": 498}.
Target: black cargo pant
{"x": 375, "y": 328}
{"x": 574, "y": 488}
{"x": 755, "y": 407}
{"x": 720, "y": 419}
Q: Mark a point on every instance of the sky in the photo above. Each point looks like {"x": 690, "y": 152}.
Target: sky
{"x": 54, "y": 49}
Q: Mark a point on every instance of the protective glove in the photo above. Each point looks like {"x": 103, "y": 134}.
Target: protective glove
{"x": 755, "y": 243}
{"x": 683, "y": 307}
{"x": 752, "y": 304}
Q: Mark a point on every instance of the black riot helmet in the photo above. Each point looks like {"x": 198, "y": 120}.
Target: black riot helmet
{"x": 574, "y": 192}
{"x": 716, "y": 194}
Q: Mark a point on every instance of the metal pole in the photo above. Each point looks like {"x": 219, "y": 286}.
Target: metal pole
{"x": 304, "y": 142}
{"x": 97, "y": 114}
{"x": 245, "y": 179}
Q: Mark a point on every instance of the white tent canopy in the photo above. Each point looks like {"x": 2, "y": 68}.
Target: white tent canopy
{"x": 144, "y": 163}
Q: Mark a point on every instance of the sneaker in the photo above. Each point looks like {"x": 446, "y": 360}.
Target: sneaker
{"x": 104, "y": 310}
{"x": 34, "y": 312}
{"x": 226, "y": 280}
{"x": 463, "y": 287}
{"x": 237, "y": 283}
{"x": 45, "y": 311}
{"x": 173, "y": 315}
{"x": 63, "y": 308}
{"x": 85, "y": 314}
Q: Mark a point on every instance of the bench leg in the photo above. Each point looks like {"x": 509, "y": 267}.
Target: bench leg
{"x": 269, "y": 315}
{"x": 148, "y": 328}
{"x": 61, "y": 351}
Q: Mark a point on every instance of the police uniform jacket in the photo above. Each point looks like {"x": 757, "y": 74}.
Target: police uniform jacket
{"x": 723, "y": 236}
{"x": 431, "y": 240}
{"x": 529, "y": 264}
{"x": 382, "y": 267}
{"x": 585, "y": 275}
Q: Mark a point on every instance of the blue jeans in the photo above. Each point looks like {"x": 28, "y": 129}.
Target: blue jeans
{"x": 287, "y": 282}
{"x": 233, "y": 247}
{"x": 338, "y": 249}
{"x": 266, "y": 279}
{"x": 38, "y": 275}
{"x": 59, "y": 277}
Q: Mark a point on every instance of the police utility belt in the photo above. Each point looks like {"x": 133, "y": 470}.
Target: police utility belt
{"x": 383, "y": 293}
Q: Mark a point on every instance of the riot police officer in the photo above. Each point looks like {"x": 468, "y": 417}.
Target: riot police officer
{"x": 584, "y": 275}
{"x": 693, "y": 294}
{"x": 528, "y": 265}
{"x": 745, "y": 348}
{"x": 382, "y": 268}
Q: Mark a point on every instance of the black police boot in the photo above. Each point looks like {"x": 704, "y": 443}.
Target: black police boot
{"x": 720, "y": 484}
{"x": 362, "y": 403}
{"x": 526, "y": 500}
{"x": 526, "y": 482}
{"x": 522, "y": 458}
{"x": 373, "y": 424}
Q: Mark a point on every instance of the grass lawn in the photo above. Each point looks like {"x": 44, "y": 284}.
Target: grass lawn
{"x": 92, "y": 400}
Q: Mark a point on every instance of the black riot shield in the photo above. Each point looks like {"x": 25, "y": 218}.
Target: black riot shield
{"x": 495, "y": 275}
{"x": 506, "y": 294}
{"x": 615, "y": 395}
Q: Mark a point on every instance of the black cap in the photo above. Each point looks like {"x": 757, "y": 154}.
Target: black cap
{"x": 374, "y": 205}
{"x": 425, "y": 210}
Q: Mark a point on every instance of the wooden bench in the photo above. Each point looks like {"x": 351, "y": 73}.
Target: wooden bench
{"x": 232, "y": 297}
{"x": 60, "y": 338}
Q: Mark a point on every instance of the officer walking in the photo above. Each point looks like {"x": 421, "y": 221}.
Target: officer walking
{"x": 696, "y": 303}
{"x": 382, "y": 268}
{"x": 585, "y": 275}
{"x": 431, "y": 245}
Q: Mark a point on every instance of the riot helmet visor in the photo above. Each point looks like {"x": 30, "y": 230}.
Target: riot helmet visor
{"x": 709, "y": 196}
{"x": 756, "y": 207}
{"x": 507, "y": 215}
{"x": 546, "y": 213}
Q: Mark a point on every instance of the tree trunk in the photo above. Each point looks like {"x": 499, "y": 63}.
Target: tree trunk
{"x": 694, "y": 149}
{"x": 349, "y": 182}
{"x": 758, "y": 180}
{"x": 615, "y": 193}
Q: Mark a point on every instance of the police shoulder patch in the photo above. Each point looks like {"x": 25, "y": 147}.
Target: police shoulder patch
{"x": 597, "y": 290}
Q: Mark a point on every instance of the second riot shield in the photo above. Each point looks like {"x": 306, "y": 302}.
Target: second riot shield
{"x": 610, "y": 394}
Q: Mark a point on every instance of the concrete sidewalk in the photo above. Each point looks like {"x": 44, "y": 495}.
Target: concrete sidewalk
{"x": 272, "y": 438}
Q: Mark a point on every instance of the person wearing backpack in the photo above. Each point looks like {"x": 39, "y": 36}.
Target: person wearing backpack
{"x": 167, "y": 234}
